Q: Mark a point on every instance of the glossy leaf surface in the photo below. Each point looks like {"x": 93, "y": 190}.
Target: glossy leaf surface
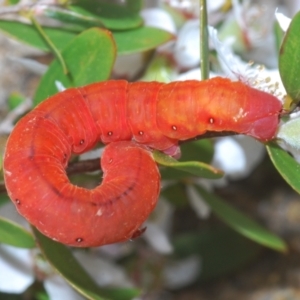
{"x": 64, "y": 262}
{"x": 241, "y": 223}
{"x": 13, "y": 234}
{"x": 89, "y": 58}
{"x": 193, "y": 167}
{"x": 289, "y": 59}
{"x": 285, "y": 165}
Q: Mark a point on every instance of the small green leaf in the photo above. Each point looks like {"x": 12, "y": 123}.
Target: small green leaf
{"x": 114, "y": 17}
{"x": 289, "y": 59}
{"x": 13, "y": 234}
{"x": 12, "y": 2}
{"x": 141, "y": 39}
{"x": 74, "y": 14}
{"x": 174, "y": 174}
{"x": 134, "y": 5}
{"x": 285, "y": 165}
{"x": 278, "y": 34}
{"x": 28, "y": 34}
{"x": 14, "y": 100}
{"x": 202, "y": 150}
{"x": 131, "y": 41}
{"x": 193, "y": 167}
{"x": 62, "y": 259}
{"x": 288, "y": 133}
{"x": 241, "y": 223}
{"x": 89, "y": 58}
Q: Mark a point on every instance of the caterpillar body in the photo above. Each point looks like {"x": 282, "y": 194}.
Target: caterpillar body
{"x": 133, "y": 119}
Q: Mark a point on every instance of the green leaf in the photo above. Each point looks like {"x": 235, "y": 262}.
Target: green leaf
{"x": 288, "y": 133}
{"x": 134, "y": 5}
{"x": 289, "y": 59}
{"x": 278, "y": 34}
{"x": 114, "y": 17}
{"x": 285, "y": 165}
{"x": 12, "y": 2}
{"x": 75, "y": 15}
{"x": 222, "y": 250}
{"x": 89, "y": 58}
{"x": 174, "y": 174}
{"x": 193, "y": 167}
{"x": 192, "y": 151}
{"x": 202, "y": 150}
{"x": 141, "y": 39}
{"x": 241, "y": 223}
{"x": 131, "y": 41}
{"x": 28, "y": 34}
{"x": 13, "y": 234}
{"x": 14, "y": 100}
{"x": 62, "y": 259}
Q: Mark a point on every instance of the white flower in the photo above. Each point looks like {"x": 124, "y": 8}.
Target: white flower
{"x": 197, "y": 203}
{"x": 181, "y": 273}
{"x": 187, "y": 46}
{"x": 237, "y": 156}
{"x": 103, "y": 270}
{"x": 19, "y": 267}
{"x": 16, "y": 269}
{"x": 236, "y": 69}
{"x": 288, "y": 135}
{"x": 158, "y": 227}
{"x": 283, "y": 21}
{"x": 157, "y": 17}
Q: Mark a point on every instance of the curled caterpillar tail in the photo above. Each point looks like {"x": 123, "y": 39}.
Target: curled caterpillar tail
{"x": 110, "y": 213}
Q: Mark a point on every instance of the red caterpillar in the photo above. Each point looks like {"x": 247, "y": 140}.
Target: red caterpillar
{"x": 133, "y": 118}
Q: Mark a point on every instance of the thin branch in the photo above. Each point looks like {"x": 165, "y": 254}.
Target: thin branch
{"x": 2, "y": 188}
{"x": 209, "y": 135}
{"x": 83, "y": 166}
{"x": 94, "y": 164}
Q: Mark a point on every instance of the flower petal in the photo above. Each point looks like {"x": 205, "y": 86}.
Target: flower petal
{"x": 16, "y": 273}
{"x": 157, "y": 17}
{"x": 237, "y": 156}
{"x": 58, "y": 288}
{"x": 283, "y": 20}
{"x": 187, "y": 46}
{"x": 182, "y": 272}
{"x": 103, "y": 271}
{"x": 157, "y": 238}
{"x": 200, "y": 207}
